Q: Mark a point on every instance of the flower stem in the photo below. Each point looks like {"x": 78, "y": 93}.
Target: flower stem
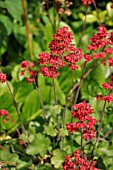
{"x": 100, "y": 129}
{"x": 58, "y": 118}
{"x": 83, "y": 28}
{"x": 15, "y": 105}
{"x": 27, "y": 29}
{"x": 41, "y": 100}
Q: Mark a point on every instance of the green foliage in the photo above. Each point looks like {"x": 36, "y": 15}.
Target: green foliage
{"x": 46, "y": 83}
{"x": 39, "y": 145}
{"x": 58, "y": 158}
{"x": 8, "y": 157}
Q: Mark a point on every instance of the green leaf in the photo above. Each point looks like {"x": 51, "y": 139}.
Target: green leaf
{"x": 70, "y": 145}
{"x": 50, "y": 130}
{"x": 5, "y": 88}
{"x": 46, "y": 83}
{"x": 6, "y": 103}
{"x": 100, "y": 164}
{"x": 57, "y": 109}
{"x": 58, "y": 158}
{"x": 22, "y": 164}
{"x": 63, "y": 132}
{"x": 45, "y": 166}
{"x": 20, "y": 33}
{"x": 109, "y": 9}
{"x": 16, "y": 73}
{"x": 31, "y": 106}
{"x": 21, "y": 91}
{"x": 92, "y": 85}
{"x": 90, "y": 18}
{"x": 8, "y": 157}
{"x": 40, "y": 145}
{"x": 2, "y": 4}
{"x": 15, "y": 9}
{"x": 6, "y": 25}
{"x": 65, "y": 80}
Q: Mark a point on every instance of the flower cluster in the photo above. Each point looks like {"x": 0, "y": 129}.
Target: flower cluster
{"x": 85, "y": 122}
{"x": 5, "y": 113}
{"x": 76, "y": 161}
{"x": 62, "y": 51}
{"x": 108, "y": 86}
{"x": 107, "y": 98}
{"x": 102, "y": 40}
{"x": 85, "y": 2}
{"x": 3, "y": 78}
{"x": 28, "y": 67}
{"x": 99, "y": 39}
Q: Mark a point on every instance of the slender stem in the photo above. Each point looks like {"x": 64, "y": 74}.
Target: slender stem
{"x": 78, "y": 90}
{"x": 54, "y": 17}
{"x": 82, "y": 149}
{"x": 62, "y": 143}
{"x": 73, "y": 88}
{"x": 59, "y": 19}
{"x": 41, "y": 100}
{"x": 27, "y": 29}
{"x": 55, "y": 96}
{"x": 15, "y": 104}
{"x": 81, "y": 80}
{"x": 64, "y": 114}
{"x": 58, "y": 118}
{"x": 100, "y": 129}
{"x": 107, "y": 134}
{"x": 86, "y": 143}
{"x": 3, "y": 148}
{"x": 19, "y": 134}
{"x": 73, "y": 72}
{"x": 96, "y": 11}
{"x": 8, "y": 163}
{"x": 80, "y": 42}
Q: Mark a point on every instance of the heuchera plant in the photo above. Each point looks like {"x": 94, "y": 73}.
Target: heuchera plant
{"x": 63, "y": 53}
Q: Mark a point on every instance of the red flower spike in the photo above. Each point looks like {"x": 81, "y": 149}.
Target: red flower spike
{"x": 85, "y": 122}
{"x": 27, "y": 67}
{"x": 80, "y": 162}
{"x": 108, "y": 98}
{"x": 59, "y": 47}
{"x": 98, "y": 40}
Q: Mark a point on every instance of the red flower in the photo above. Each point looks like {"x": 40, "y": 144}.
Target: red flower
{"x": 61, "y": 51}
{"x": 85, "y": 122}
{"x": 99, "y": 55}
{"x": 98, "y": 40}
{"x": 75, "y": 161}
{"x": 6, "y": 114}
{"x": 85, "y": 2}
{"x": 28, "y": 67}
{"x": 87, "y": 57}
{"x": 3, "y": 77}
{"x": 108, "y": 86}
